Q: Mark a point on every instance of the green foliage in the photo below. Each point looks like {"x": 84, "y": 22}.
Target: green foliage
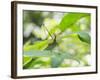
{"x": 56, "y": 60}
{"x": 85, "y": 37}
{"x": 40, "y": 45}
{"x": 57, "y": 44}
{"x": 69, "y": 19}
{"x": 37, "y": 53}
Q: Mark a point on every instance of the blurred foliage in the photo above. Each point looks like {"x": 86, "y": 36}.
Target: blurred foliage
{"x": 56, "y": 39}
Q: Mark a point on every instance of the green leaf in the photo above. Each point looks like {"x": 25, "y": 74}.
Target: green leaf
{"x": 26, "y": 59}
{"x": 69, "y": 19}
{"x": 56, "y": 60}
{"x": 36, "y": 53}
{"x": 46, "y": 53}
{"x": 32, "y": 63}
{"x": 39, "y": 45}
{"x": 28, "y": 64}
{"x": 85, "y": 37}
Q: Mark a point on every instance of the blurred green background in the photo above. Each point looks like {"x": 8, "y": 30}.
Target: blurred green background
{"x": 56, "y": 39}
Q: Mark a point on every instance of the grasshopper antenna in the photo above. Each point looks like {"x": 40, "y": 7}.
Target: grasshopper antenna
{"x": 48, "y": 31}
